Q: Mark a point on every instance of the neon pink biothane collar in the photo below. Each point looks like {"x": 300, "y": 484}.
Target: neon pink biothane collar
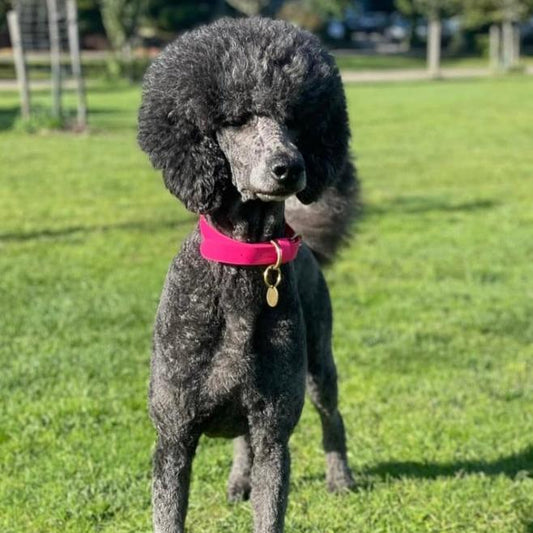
{"x": 216, "y": 246}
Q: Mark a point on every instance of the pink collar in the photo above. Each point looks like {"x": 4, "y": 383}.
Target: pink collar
{"x": 216, "y": 246}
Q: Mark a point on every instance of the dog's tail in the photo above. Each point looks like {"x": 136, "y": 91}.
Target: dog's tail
{"x": 325, "y": 224}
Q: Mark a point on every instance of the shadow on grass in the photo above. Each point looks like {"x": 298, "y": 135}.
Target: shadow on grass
{"x": 115, "y": 87}
{"x": 7, "y": 117}
{"x": 426, "y": 204}
{"x": 47, "y": 233}
{"x": 109, "y": 111}
{"x": 519, "y": 465}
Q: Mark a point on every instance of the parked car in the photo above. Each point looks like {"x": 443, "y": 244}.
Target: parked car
{"x": 370, "y": 22}
{"x": 398, "y": 29}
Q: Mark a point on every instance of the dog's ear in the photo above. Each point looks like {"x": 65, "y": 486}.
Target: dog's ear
{"x": 325, "y": 135}
{"x": 194, "y": 168}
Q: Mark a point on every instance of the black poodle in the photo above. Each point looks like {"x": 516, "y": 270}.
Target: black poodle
{"x": 247, "y": 121}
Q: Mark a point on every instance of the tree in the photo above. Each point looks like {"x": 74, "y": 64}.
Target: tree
{"x": 121, "y": 19}
{"x": 479, "y": 12}
{"x": 503, "y": 16}
{"x": 172, "y": 16}
{"x": 309, "y": 14}
{"x": 434, "y": 11}
{"x": 248, "y": 7}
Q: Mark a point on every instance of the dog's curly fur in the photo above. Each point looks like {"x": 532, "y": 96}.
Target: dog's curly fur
{"x": 224, "y": 363}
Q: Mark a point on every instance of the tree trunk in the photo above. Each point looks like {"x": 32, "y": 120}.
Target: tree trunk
{"x": 508, "y": 44}
{"x": 75, "y": 60}
{"x": 495, "y": 47}
{"x": 20, "y": 63}
{"x": 433, "y": 47}
{"x": 516, "y": 45}
{"x": 127, "y": 61}
{"x": 55, "y": 56}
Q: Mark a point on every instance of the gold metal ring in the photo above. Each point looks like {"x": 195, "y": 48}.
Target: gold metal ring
{"x": 278, "y": 253}
{"x": 268, "y": 269}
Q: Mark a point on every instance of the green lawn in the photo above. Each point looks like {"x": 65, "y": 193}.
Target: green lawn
{"x": 40, "y": 67}
{"x": 98, "y": 68}
{"x": 433, "y": 332}
{"x": 388, "y": 62}
{"x": 393, "y": 62}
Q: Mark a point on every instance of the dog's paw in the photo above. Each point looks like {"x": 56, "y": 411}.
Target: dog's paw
{"x": 338, "y": 485}
{"x": 239, "y": 490}
{"x": 339, "y": 477}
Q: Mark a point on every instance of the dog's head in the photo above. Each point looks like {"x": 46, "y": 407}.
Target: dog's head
{"x": 252, "y": 105}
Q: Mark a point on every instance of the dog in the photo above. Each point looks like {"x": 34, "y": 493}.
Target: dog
{"x": 247, "y": 120}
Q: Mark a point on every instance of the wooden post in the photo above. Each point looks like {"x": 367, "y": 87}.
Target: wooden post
{"x": 507, "y": 37}
{"x": 495, "y": 47}
{"x": 75, "y": 59}
{"x": 20, "y": 63}
{"x": 55, "y": 56}
{"x": 433, "y": 47}
{"x": 516, "y": 45}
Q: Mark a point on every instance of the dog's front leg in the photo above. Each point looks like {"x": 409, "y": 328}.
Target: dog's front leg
{"x": 170, "y": 488}
{"x": 270, "y": 481}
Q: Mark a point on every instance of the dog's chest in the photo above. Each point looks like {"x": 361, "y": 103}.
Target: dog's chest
{"x": 220, "y": 347}
{"x": 259, "y": 360}
{"x": 232, "y": 360}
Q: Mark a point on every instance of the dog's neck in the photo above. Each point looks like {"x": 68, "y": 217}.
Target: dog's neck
{"x": 252, "y": 221}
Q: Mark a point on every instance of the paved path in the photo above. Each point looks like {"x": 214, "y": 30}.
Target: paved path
{"x": 11, "y": 85}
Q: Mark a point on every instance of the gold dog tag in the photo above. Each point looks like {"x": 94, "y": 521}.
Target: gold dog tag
{"x": 272, "y": 291}
{"x": 272, "y": 296}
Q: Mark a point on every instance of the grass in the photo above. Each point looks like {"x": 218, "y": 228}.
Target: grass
{"x": 400, "y": 62}
{"x": 433, "y": 332}
{"x": 100, "y": 68}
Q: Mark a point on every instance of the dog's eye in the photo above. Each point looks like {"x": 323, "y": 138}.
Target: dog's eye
{"x": 237, "y": 122}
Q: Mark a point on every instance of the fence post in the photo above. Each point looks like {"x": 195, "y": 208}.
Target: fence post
{"x": 75, "y": 59}
{"x": 495, "y": 47}
{"x": 433, "y": 47}
{"x": 20, "y": 63}
{"x": 507, "y": 38}
{"x": 516, "y": 44}
{"x": 55, "y": 56}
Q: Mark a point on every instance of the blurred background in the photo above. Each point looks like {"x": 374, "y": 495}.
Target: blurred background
{"x": 118, "y": 37}
{"x": 433, "y": 296}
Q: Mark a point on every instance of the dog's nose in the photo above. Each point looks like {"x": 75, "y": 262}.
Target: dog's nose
{"x": 288, "y": 170}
